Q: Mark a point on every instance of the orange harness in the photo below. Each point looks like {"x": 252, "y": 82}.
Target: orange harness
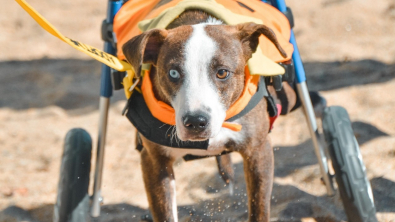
{"x": 125, "y": 27}
{"x": 166, "y": 113}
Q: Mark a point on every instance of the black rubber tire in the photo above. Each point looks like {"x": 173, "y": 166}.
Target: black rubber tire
{"x": 72, "y": 203}
{"x": 350, "y": 173}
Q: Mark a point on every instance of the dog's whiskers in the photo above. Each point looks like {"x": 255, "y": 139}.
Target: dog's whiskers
{"x": 167, "y": 130}
{"x": 174, "y": 134}
{"x": 171, "y": 134}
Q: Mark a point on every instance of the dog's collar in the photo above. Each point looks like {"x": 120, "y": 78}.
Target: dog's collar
{"x": 166, "y": 113}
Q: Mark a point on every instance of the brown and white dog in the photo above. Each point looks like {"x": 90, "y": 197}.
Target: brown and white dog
{"x": 198, "y": 69}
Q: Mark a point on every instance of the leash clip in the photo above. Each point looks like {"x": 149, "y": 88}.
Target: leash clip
{"x": 125, "y": 109}
{"x": 134, "y": 85}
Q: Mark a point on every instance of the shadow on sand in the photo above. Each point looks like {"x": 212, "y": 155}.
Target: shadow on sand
{"x": 71, "y": 84}
{"x": 75, "y": 84}
{"x": 289, "y": 203}
{"x": 230, "y": 208}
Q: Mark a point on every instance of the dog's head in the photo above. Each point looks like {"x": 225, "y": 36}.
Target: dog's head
{"x": 199, "y": 70}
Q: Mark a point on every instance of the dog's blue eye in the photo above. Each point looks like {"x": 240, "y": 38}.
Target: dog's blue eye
{"x": 223, "y": 74}
{"x": 174, "y": 74}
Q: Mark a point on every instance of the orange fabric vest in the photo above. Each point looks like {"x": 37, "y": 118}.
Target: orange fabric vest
{"x": 132, "y": 12}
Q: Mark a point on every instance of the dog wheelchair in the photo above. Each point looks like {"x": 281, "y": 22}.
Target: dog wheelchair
{"x": 74, "y": 203}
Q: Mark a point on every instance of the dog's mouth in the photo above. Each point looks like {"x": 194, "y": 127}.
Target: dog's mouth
{"x": 198, "y": 139}
{"x": 186, "y": 135}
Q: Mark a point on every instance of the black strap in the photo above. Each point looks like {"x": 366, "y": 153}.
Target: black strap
{"x": 255, "y": 99}
{"x": 245, "y": 6}
{"x": 190, "y": 157}
{"x": 139, "y": 143}
{"x": 271, "y": 106}
{"x": 153, "y": 129}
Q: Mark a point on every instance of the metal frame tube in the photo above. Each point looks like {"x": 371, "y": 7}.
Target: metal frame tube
{"x": 105, "y": 94}
{"x": 304, "y": 96}
{"x": 97, "y": 199}
{"x": 312, "y": 124}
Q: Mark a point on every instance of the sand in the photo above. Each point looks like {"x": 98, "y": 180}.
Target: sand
{"x": 47, "y": 88}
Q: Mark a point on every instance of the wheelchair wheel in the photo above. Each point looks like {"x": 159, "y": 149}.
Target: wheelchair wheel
{"x": 72, "y": 204}
{"x": 353, "y": 185}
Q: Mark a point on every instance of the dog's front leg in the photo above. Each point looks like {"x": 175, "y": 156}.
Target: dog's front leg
{"x": 159, "y": 185}
{"x": 258, "y": 170}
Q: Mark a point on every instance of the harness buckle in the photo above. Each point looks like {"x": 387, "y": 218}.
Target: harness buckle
{"x": 107, "y": 33}
{"x": 117, "y": 78}
{"x": 289, "y": 75}
{"x": 277, "y": 82}
{"x": 290, "y": 17}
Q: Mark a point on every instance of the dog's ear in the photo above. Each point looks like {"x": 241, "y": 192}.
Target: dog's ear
{"x": 144, "y": 48}
{"x": 249, "y": 34}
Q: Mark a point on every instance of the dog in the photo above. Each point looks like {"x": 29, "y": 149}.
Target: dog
{"x": 198, "y": 68}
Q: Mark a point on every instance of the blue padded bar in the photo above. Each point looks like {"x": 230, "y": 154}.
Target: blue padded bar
{"x": 299, "y": 69}
{"x": 280, "y": 5}
{"x": 105, "y": 79}
{"x": 105, "y": 85}
{"x": 113, "y": 9}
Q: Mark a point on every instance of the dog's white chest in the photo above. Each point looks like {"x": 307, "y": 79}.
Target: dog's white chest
{"x": 225, "y": 135}
{"x": 216, "y": 145}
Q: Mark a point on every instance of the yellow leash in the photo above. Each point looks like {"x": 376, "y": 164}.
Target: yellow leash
{"x": 95, "y": 53}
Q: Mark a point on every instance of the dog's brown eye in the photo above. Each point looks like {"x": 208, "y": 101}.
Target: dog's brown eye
{"x": 223, "y": 74}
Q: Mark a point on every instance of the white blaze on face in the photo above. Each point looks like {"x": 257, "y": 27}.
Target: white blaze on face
{"x": 198, "y": 92}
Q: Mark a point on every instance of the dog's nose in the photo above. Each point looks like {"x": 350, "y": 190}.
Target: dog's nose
{"x": 196, "y": 122}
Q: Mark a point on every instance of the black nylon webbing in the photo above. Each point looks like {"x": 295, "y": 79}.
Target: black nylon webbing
{"x": 255, "y": 99}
